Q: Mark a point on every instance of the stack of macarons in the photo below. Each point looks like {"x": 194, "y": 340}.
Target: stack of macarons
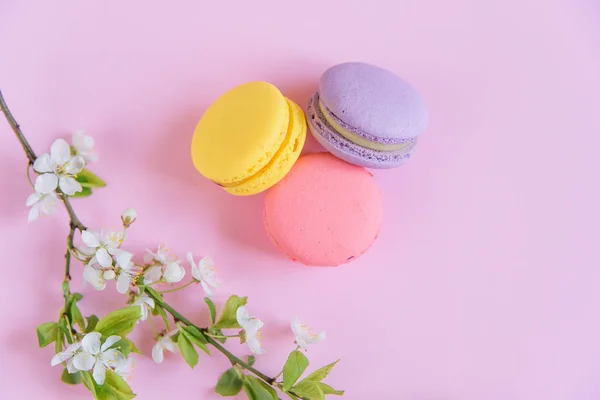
{"x": 322, "y": 209}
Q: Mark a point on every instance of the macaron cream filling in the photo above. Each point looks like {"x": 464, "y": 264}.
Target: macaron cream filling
{"x": 355, "y": 138}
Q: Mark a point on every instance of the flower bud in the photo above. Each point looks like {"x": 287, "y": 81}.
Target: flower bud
{"x": 128, "y": 217}
{"x": 108, "y": 275}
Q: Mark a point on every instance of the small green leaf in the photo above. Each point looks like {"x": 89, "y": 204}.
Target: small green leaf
{"x": 120, "y": 322}
{"x": 230, "y": 383}
{"x": 114, "y": 387}
{"x": 195, "y": 336}
{"x": 228, "y": 319}
{"x": 65, "y": 288}
{"x": 62, "y": 326}
{"x": 85, "y": 192}
{"x": 76, "y": 316}
{"x": 47, "y": 333}
{"x": 212, "y": 309}
{"x": 329, "y": 390}
{"x": 91, "y": 323}
{"x": 127, "y": 346}
{"x": 255, "y": 391}
{"x": 88, "y": 179}
{"x": 189, "y": 353}
{"x": 218, "y": 332}
{"x": 71, "y": 379}
{"x": 76, "y": 297}
{"x": 309, "y": 390}
{"x": 293, "y": 369}
{"x": 251, "y": 360}
{"x": 269, "y": 389}
{"x": 321, "y": 373}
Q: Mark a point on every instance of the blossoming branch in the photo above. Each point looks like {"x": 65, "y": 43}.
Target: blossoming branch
{"x": 97, "y": 352}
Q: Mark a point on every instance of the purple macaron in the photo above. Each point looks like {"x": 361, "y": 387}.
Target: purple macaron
{"x": 366, "y": 115}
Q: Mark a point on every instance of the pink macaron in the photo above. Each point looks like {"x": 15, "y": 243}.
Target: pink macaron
{"x": 325, "y": 212}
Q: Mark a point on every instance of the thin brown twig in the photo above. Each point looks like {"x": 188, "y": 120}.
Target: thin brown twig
{"x": 17, "y": 130}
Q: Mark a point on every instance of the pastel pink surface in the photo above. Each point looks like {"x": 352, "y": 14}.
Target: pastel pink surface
{"x": 325, "y": 212}
{"x": 483, "y": 283}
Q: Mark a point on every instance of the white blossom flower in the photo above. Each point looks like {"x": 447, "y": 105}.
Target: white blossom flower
{"x": 127, "y": 271}
{"x": 252, "y": 327}
{"x": 128, "y": 217}
{"x": 124, "y": 369}
{"x": 146, "y": 303}
{"x": 304, "y": 335}
{"x": 164, "y": 343}
{"x": 153, "y": 274}
{"x": 161, "y": 256}
{"x": 173, "y": 272}
{"x": 204, "y": 272}
{"x": 90, "y": 354}
{"x": 103, "y": 246}
{"x": 67, "y": 357}
{"x": 58, "y": 169}
{"x": 41, "y": 204}
{"x": 84, "y": 146}
{"x": 95, "y": 277}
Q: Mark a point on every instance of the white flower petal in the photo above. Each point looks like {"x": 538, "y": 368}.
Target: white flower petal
{"x": 99, "y": 373}
{"x": 104, "y": 259}
{"x": 190, "y": 259}
{"x": 69, "y": 185}
{"x": 207, "y": 290}
{"x": 94, "y": 277}
{"x": 48, "y": 203}
{"x": 157, "y": 353}
{"x": 60, "y": 358}
{"x": 32, "y": 199}
{"x": 82, "y": 142}
{"x": 242, "y": 316}
{"x": 123, "y": 283}
{"x": 60, "y": 151}
{"x": 34, "y": 213}
{"x": 46, "y": 183}
{"x": 84, "y": 361}
{"x": 75, "y": 165}
{"x": 153, "y": 274}
{"x": 91, "y": 343}
{"x": 44, "y": 163}
{"x": 109, "y": 342}
{"x": 123, "y": 258}
{"x": 111, "y": 357}
{"x": 168, "y": 344}
{"x": 174, "y": 272}
{"x": 70, "y": 367}
{"x": 91, "y": 238}
{"x": 254, "y": 345}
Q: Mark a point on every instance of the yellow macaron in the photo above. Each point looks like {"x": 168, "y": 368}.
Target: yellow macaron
{"x": 249, "y": 138}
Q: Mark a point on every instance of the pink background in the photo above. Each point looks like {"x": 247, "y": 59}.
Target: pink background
{"x": 484, "y": 281}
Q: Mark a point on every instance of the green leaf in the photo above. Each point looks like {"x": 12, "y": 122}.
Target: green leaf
{"x": 189, "y": 353}
{"x": 196, "y": 337}
{"x": 321, "y": 373}
{"x": 65, "y": 288}
{"x": 71, "y": 379}
{"x": 127, "y": 346}
{"x": 251, "y": 360}
{"x": 120, "y": 322}
{"x": 212, "y": 309}
{"x": 293, "y": 369}
{"x": 309, "y": 390}
{"x": 228, "y": 319}
{"x": 230, "y": 383}
{"x": 269, "y": 389}
{"x": 85, "y": 192}
{"x": 329, "y": 390}
{"x": 114, "y": 387}
{"x": 75, "y": 297}
{"x": 88, "y": 179}
{"x": 47, "y": 333}
{"x": 91, "y": 323}
{"x": 255, "y": 391}
{"x": 76, "y": 316}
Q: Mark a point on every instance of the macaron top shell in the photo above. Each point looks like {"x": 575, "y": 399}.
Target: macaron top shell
{"x": 372, "y": 102}
{"x": 325, "y": 212}
{"x": 240, "y": 132}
